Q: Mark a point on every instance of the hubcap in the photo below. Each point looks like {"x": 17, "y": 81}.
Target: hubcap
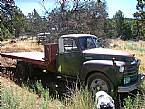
{"x": 97, "y": 85}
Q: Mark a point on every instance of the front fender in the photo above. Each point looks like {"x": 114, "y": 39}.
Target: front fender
{"x": 104, "y": 66}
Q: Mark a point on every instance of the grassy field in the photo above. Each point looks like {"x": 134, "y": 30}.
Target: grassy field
{"x": 16, "y": 97}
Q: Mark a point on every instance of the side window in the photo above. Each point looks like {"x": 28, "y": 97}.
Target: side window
{"x": 90, "y": 43}
{"x": 87, "y": 43}
{"x": 97, "y": 43}
{"x": 69, "y": 45}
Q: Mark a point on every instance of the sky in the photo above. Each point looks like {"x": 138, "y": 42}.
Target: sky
{"x": 128, "y": 7}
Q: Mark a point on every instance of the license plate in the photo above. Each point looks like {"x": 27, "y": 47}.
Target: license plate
{"x": 126, "y": 80}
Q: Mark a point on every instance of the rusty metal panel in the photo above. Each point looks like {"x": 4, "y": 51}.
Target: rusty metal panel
{"x": 50, "y": 51}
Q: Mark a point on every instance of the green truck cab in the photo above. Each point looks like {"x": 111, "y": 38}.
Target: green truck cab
{"x": 80, "y": 55}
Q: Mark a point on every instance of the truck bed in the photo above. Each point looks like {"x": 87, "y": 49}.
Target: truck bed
{"x": 32, "y": 57}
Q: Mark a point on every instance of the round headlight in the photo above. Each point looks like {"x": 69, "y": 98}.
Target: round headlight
{"x": 121, "y": 69}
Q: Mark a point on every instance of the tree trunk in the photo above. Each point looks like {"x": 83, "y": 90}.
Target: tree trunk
{"x": 17, "y": 32}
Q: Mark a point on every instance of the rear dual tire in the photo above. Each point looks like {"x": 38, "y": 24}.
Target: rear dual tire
{"x": 24, "y": 71}
{"x": 20, "y": 73}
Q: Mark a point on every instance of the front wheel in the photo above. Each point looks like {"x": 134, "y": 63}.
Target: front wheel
{"x": 97, "y": 82}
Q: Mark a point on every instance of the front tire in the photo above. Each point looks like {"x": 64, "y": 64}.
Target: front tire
{"x": 97, "y": 82}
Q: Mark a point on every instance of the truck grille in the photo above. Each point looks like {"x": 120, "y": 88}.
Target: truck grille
{"x": 131, "y": 69}
{"x": 133, "y": 78}
{"x": 131, "y": 73}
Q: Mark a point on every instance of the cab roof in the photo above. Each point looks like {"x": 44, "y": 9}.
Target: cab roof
{"x": 78, "y": 35}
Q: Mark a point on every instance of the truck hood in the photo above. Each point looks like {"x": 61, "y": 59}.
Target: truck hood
{"x": 108, "y": 54}
{"x": 105, "y": 51}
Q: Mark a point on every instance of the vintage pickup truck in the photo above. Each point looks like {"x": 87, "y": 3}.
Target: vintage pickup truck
{"x": 80, "y": 56}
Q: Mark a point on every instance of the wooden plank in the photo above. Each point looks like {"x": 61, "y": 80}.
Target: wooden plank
{"x": 31, "y": 57}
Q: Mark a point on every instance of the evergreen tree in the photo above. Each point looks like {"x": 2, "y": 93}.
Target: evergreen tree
{"x": 121, "y": 26}
{"x": 36, "y": 23}
{"x": 18, "y": 22}
{"x": 140, "y": 19}
{"x": 118, "y": 23}
{"x": 6, "y": 11}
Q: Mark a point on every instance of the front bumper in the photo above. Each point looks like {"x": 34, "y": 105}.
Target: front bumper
{"x": 132, "y": 87}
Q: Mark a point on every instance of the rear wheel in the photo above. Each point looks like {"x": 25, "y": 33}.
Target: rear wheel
{"x": 97, "y": 82}
{"x": 21, "y": 73}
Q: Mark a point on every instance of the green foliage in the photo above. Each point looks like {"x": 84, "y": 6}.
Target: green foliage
{"x": 6, "y": 7}
{"x": 41, "y": 91}
{"x": 22, "y": 99}
{"x": 127, "y": 32}
{"x": 133, "y": 46}
{"x": 82, "y": 99}
{"x": 12, "y": 24}
{"x": 118, "y": 23}
{"x": 18, "y": 21}
{"x": 140, "y": 19}
{"x": 36, "y": 24}
{"x": 4, "y": 32}
{"x": 8, "y": 100}
{"x": 122, "y": 28}
{"x": 17, "y": 98}
{"x": 136, "y": 102}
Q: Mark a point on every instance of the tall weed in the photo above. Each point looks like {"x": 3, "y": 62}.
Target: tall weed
{"x": 136, "y": 101}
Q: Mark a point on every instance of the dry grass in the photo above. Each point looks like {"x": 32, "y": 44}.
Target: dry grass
{"x": 19, "y": 46}
{"x": 16, "y": 97}
{"x": 28, "y": 45}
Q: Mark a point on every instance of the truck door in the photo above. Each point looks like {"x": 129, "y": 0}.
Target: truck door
{"x": 69, "y": 61}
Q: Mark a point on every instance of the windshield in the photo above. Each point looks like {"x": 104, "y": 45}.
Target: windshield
{"x": 88, "y": 43}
